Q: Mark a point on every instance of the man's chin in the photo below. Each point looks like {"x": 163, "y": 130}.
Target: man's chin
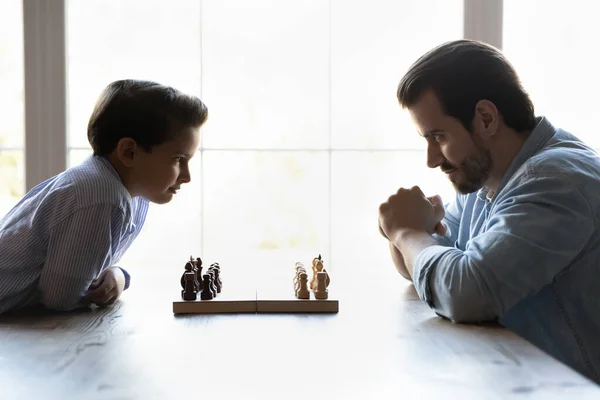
{"x": 466, "y": 188}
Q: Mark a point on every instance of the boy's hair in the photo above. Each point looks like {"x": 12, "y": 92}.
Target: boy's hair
{"x": 463, "y": 72}
{"x": 147, "y": 112}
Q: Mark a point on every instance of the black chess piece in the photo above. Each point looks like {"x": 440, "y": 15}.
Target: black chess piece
{"x": 218, "y": 281}
{"x": 199, "y": 272}
{"x": 189, "y": 267}
{"x": 189, "y": 292}
{"x": 207, "y": 293}
{"x": 213, "y": 286}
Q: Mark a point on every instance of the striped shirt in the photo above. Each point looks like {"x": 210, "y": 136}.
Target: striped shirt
{"x": 64, "y": 233}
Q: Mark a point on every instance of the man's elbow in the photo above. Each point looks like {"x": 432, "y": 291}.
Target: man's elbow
{"x": 462, "y": 311}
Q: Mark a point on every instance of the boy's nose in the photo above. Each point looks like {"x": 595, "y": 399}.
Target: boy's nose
{"x": 185, "y": 176}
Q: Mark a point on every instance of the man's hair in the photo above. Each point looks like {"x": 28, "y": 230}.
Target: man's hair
{"x": 147, "y": 112}
{"x": 463, "y": 72}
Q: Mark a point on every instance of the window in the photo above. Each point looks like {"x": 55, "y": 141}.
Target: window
{"x": 556, "y": 61}
{"x": 140, "y": 39}
{"x": 11, "y": 103}
{"x": 305, "y": 136}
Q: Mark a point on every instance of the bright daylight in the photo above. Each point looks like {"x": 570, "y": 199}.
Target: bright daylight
{"x": 323, "y": 198}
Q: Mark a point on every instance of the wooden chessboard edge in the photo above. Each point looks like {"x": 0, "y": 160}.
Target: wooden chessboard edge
{"x": 297, "y": 306}
{"x": 214, "y": 307}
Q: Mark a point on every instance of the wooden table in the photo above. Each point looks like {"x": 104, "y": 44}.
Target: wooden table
{"x": 391, "y": 347}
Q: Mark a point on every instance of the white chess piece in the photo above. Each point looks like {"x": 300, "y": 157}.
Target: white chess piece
{"x": 303, "y": 292}
{"x": 321, "y": 291}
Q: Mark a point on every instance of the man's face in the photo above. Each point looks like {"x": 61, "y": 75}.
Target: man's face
{"x": 159, "y": 173}
{"x": 458, "y": 152}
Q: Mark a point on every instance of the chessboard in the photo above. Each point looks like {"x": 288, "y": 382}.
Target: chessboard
{"x": 204, "y": 292}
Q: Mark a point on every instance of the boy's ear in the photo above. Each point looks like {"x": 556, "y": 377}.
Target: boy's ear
{"x": 126, "y": 151}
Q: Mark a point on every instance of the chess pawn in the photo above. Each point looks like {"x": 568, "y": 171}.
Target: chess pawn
{"x": 297, "y": 280}
{"x": 213, "y": 286}
{"x": 299, "y": 267}
{"x": 321, "y": 291}
{"x": 189, "y": 292}
{"x": 217, "y": 280}
{"x": 302, "y": 292}
{"x": 207, "y": 293}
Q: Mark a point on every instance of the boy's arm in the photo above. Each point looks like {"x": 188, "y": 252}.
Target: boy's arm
{"x": 127, "y": 277}
{"x": 79, "y": 248}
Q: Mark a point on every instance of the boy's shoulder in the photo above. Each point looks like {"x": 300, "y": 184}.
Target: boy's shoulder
{"x": 94, "y": 182}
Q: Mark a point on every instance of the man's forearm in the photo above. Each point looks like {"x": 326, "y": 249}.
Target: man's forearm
{"x": 398, "y": 261}
{"x": 409, "y": 244}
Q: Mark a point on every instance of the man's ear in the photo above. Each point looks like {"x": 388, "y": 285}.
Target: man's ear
{"x": 486, "y": 120}
{"x": 126, "y": 151}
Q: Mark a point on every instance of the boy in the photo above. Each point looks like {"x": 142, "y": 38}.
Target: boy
{"x": 60, "y": 244}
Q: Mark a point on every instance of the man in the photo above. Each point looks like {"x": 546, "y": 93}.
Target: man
{"x": 520, "y": 243}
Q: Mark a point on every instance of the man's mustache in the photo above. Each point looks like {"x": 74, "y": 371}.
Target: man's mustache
{"x": 447, "y": 167}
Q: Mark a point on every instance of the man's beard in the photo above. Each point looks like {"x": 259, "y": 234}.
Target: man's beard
{"x": 474, "y": 171}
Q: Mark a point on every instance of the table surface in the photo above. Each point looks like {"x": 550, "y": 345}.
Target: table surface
{"x": 383, "y": 346}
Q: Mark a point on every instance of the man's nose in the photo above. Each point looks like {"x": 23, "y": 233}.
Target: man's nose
{"x": 434, "y": 155}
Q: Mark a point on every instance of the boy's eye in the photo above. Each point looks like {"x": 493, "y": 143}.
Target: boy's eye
{"x": 177, "y": 159}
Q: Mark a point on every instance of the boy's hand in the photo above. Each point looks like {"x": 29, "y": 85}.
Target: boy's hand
{"x": 107, "y": 288}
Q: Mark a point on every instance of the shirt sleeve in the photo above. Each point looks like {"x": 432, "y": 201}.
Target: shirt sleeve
{"x": 536, "y": 230}
{"x": 453, "y": 211}
{"x": 79, "y": 249}
{"x": 127, "y": 278}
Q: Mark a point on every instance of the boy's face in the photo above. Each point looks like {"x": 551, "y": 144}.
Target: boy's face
{"x": 157, "y": 175}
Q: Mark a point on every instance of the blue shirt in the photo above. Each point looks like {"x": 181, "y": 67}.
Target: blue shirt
{"x": 528, "y": 255}
{"x": 64, "y": 233}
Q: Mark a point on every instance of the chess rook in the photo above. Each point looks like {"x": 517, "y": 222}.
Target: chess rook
{"x": 189, "y": 292}
{"x": 321, "y": 291}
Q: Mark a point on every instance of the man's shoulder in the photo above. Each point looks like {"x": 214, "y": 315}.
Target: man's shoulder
{"x": 94, "y": 182}
{"x": 563, "y": 168}
{"x": 564, "y": 157}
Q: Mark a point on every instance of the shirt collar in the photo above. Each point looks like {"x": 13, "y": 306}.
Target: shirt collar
{"x": 540, "y": 135}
